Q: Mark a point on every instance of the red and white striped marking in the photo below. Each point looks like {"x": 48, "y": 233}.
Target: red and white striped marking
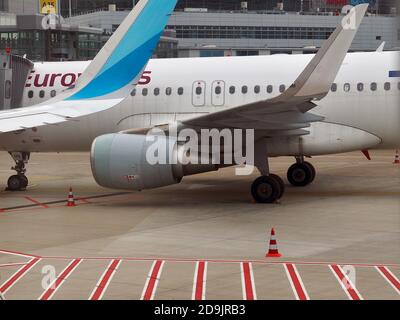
{"x": 200, "y": 281}
{"x": 59, "y": 281}
{"x": 346, "y": 284}
{"x": 105, "y": 280}
{"x": 296, "y": 283}
{"x": 153, "y": 278}
{"x": 389, "y": 277}
{"x": 248, "y": 285}
{"x": 18, "y": 275}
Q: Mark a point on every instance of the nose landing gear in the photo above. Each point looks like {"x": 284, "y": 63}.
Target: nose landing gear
{"x": 18, "y": 182}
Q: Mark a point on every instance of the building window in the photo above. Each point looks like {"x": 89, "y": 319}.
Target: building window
{"x": 168, "y": 91}
{"x": 180, "y": 91}
{"x": 387, "y": 86}
{"x": 270, "y": 89}
{"x": 53, "y": 93}
{"x": 346, "y": 87}
{"x": 232, "y": 89}
{"x": 360, "y": 87}
{"x": 374, "y": 86}
{"x": 7, "y": 89}
{"x": 257, "y": 89}
{"x": 156, "y": 91}
{"x": 334, "y": 87}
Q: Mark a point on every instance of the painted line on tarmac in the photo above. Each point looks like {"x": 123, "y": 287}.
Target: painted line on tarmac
{"x": 62, "y": 201}
{"x": 6, "y": 265}
{"x": 20, "y": 254}
{"x": 105, "y": 280}
{"x": 37, "y": 202}
{"x": 60, "y": 280}
{"x": 18, "y": 275}
{"x": 153, "y": 278}
{"x": 296, "y": 282}
{"x": 248, "y": 284}
{"x": 389, "y": 277}
{"x": 200, "y": 281}
{"x": 346, "y": 284}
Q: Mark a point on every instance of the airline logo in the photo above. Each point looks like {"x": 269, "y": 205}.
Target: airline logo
{"x": 66, "y": 80}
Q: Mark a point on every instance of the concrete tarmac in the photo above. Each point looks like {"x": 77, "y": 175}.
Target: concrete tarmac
{"x": 204, "y": 238}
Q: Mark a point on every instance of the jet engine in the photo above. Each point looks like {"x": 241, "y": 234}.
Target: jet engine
{"x": 126, "y": 162}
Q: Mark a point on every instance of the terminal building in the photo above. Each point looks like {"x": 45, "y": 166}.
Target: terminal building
{"x": 223, "y": 28}
{"x": 198, "y": 28}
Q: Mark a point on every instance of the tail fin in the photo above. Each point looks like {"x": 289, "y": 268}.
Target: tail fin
{"x": 120, "y": 63}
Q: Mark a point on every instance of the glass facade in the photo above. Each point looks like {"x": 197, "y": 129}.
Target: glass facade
{"x": 245, "y": 32}
{"x": 54, "y": 45}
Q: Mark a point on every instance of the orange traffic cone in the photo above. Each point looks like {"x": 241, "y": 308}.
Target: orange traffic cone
{"x": 273, "y": 247}
{"x": 397, "y": 158}
{"x": 71, "y": 199}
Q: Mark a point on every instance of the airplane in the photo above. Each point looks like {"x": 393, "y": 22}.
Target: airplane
{"x": 299, "y": 105}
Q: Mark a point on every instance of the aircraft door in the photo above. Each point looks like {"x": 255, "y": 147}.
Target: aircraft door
{"x": 218, "y": 93}
{"x": 199, "y": 94}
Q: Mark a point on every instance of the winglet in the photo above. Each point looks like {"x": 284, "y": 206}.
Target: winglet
{"x": 317, "y": 78}
{"x": 119, "y": 64}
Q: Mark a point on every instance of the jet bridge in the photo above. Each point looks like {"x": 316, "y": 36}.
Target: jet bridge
{"x": 14, "y": 71}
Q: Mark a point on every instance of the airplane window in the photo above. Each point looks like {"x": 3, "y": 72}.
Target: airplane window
{"x": 199, "y": 90}
{"x": 145, "y": 92}
{"x": 30, "y": 94}
{"x": 180, "y": 91}
{"x": 41, "y": 94}
{"x": 387, "y": 86}
{"x": 257, "y": 89}
{"x": 156, "y": 91}
{"x": 360, "y": 86}
{"x": 346, "y": 87}
{"x": 282, "y": 88}
{"x": 53, "y": 93}
{"x": 232, "y": 89}
{"x": 374, "y": 86}
{"x": 244, "y": 89}
{"x": 133, "y": 93}
{"x": 218, "y": 90}
{"x": 270, "y": 89}
{"x": 334, "y": 87}
{"x": 168, "y": 91}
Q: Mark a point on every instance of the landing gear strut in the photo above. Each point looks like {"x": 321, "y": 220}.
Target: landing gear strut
{"x": 301, "y": 173}
{"x": 18, "y": 182}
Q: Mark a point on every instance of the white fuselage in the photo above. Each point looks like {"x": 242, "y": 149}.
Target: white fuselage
{"x": 173, "y": 95}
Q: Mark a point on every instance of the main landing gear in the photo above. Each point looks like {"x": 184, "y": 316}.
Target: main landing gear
{"x": 301, "y": 173}
{"x": 18, "y": 182}
{"x": 269, "y": 188}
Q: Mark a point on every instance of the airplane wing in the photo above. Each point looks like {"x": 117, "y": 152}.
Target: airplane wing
{"x": 110, "y": 77}
{"x": 287, "y": 114}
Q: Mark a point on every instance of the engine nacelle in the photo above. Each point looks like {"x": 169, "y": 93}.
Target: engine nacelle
{"x": 119, "y": 161}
